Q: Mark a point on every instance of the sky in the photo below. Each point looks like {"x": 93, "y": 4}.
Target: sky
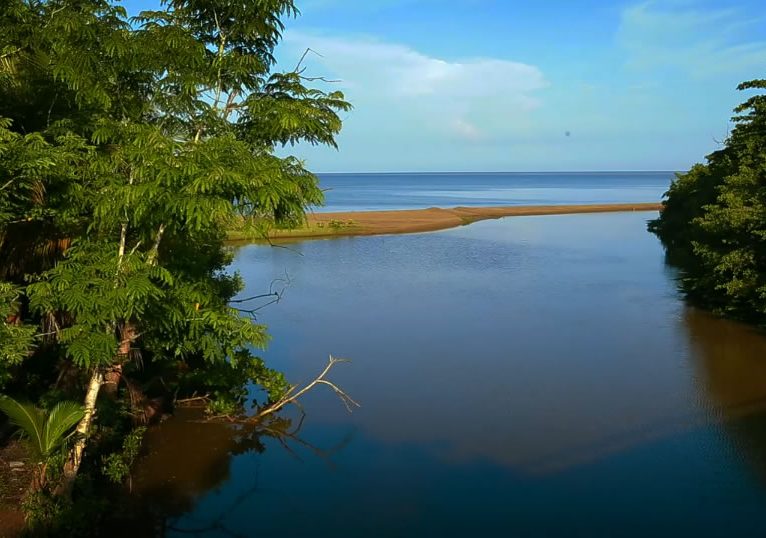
{"x": 525, "y": 85}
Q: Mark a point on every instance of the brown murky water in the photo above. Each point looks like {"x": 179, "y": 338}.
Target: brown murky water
{"x": 535, "y": 376}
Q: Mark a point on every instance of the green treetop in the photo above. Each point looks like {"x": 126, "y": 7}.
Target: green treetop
{"x": 128, "y": 147}
{"x": 714, "y": 219}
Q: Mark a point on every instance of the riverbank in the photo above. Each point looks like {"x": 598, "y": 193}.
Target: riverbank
{"x": 15, "y": 477}
{"x": 351, "y": 223}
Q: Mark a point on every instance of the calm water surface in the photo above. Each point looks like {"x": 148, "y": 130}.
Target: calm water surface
{"x": 523, "y": 377}
{"x": 359, "y": 192}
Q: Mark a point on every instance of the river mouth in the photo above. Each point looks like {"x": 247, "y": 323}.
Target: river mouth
{"x": 533, "y": 376}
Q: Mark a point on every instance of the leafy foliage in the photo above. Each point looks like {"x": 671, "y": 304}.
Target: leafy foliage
{"x": 116, "y": 466}
{"x": 127, "y": 148}
{"x": 44, "y": 431}
{"x": 16, "y": 340}
{"x": 714, "y": 219}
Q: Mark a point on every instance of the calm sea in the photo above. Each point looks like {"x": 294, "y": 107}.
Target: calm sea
{"x": 522, "y": 377}
{"x": 360, "y": 192}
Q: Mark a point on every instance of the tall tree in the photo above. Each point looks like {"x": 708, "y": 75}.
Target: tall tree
{"x": 714, "y": 219}
{"x": 158, "y": 132}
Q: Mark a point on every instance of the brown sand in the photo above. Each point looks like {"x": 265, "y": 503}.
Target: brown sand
{"x": 434, "y": 218}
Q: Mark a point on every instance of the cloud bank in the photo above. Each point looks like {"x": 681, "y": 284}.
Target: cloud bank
{"x": 460, "y": 98}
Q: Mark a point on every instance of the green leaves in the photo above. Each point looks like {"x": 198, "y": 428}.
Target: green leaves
{"x": 116, "y": 466}
{"x": 45, "y": 432}
{"x": 16, "y": 339}
{"x": 29, "y": 419}
{"x": 60, "y": 420}
{"x": 714, "y": 219}
{"x": 130, "y": 148}
{"x": 287, "y": 112}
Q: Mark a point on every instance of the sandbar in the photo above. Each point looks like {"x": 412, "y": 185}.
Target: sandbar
{"x": 351, "y": 223}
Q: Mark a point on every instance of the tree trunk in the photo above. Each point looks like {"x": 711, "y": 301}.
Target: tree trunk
{"x": 113, "y": 374}
{"x": 72, "y": 466}
{"x": 39, "y": 479}
{"x": 112, "y": 378}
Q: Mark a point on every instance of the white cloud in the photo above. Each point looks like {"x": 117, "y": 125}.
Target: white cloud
{"x": 396, "y": 82}
{"x": 685, "y": 35}
{"x": 466, "y": 130}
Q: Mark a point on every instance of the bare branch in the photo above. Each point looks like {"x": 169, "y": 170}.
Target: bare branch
{"x": 152, "y": 258}
{"x": 252, "y": 312}
{"x": 272, "y": 292}
{"x": 203, "y": 398}
{"x": 345, "y": 398}
{"x": 292, "y": 395}
{"x": 230, "y": 104}
{"x": 298, "y": 68}
{"x": 254, "y": 297}
{"x": 274, "y": 245}
{"x": 323, "y": 79}
{"x": 276, "y": 296}
{"x": 134, "y": 249}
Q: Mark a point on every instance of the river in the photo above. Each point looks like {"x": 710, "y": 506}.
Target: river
{"x": 529, "y": 376}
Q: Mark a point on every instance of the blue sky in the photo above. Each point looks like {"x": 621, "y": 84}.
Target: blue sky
{"x": 496, "y": 85}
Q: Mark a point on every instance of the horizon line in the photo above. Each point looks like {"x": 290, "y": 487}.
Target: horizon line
{"x": 503, "y": 172}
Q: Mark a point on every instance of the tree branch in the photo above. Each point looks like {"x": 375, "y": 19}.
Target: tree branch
{"x": 156, "y": 247}
{"x": 303, "y": 57}
{"x": 292, "y": 395}
{"x": 323, "y": 79}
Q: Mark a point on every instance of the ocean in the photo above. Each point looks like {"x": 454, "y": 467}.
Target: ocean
{"x": 378, "y": 191}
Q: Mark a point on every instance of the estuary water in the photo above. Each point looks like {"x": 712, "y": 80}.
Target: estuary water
{"x": 365, "y": 192}
{"x": 522, "y": 377}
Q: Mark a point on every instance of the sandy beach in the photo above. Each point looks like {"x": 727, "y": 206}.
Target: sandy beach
{"x": 349, "y": 223}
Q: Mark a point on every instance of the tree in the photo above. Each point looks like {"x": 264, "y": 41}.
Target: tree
{"x": 713, "y": 223}
{"x": 158, "y": 134}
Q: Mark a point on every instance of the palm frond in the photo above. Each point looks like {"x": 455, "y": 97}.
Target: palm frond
{"x": 29, "y": 419}
{"x": 45, "y": 432}
{"x": 61, "y": 419}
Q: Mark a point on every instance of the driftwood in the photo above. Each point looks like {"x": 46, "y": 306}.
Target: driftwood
{"x": 291, "y": 396}
{"x": 294, "y": 393}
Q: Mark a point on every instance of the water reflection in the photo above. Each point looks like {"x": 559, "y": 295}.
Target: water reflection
{"x": 730, "y": 362}
{"x": 189, "y": 456}
{"x": 525, "y": 342}
{"x": 533, "y": 377}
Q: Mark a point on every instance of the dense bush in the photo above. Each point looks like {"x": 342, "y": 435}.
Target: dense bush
{"x": 128, "y": 146}
{"x": 713, "y": 223}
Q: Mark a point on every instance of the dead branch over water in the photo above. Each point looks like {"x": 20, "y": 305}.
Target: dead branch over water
{"x": 293, "y": 394}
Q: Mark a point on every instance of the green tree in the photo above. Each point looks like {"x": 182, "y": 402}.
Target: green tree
{"x": 713, "y": 223}
{"x": 159, "y": 133}
{"x": 16, "y": 340}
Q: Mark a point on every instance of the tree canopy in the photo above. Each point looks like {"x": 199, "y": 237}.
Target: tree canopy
{"x": 128, "y": 146}
{"x": 713, "y": 223}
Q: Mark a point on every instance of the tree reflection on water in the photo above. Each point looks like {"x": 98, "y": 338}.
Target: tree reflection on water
{"x": 189, "y": 456}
